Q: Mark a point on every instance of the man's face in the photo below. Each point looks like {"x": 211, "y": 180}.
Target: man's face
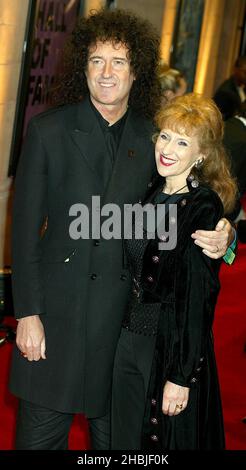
{"x": 108, "y": 74}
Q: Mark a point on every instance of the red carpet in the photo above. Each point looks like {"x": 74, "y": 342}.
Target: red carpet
{"x": 230, "y": 339}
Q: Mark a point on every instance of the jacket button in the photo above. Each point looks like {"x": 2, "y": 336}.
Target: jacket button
{"x": 150, "y": 184}
{"x": 183, "y": 202}
{"x": 150, "y": 278}
{"x": 96, "y": 243}
{"x": 93, "y": 277}
{"x": 155, "y": 259}
{"x": 201, "y": 359}
{"x": 153, "y": 402}
{"x": 154, "y": 438}
{"x": 193, "y": 380}
{"x": 123, "y": 277}
{"x": 154, "y": 421}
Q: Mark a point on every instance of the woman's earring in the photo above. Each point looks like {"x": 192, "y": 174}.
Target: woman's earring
{"x": 192, "y": 181}
{"x": 199, "y": 163}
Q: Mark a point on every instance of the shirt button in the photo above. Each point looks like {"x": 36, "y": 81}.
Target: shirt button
{"x": 150, "y": 278}
{"x": 93, "y": 277}
{"x": 154, "y": 438}
{"x": 155, "y": 259}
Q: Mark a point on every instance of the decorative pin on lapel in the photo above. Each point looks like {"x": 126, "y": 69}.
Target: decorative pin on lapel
{"x": 131, "y": 153}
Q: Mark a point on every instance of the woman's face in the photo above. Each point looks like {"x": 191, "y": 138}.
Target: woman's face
{"x": 176, "y": 154}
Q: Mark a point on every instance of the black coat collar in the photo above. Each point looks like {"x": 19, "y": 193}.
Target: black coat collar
{"x": 87, "y": 135}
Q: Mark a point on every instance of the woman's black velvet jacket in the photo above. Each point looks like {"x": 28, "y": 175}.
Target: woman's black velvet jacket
{"x": 186, "y": 283}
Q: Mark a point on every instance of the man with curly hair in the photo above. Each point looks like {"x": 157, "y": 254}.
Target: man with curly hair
{"x": 70, "y": 295}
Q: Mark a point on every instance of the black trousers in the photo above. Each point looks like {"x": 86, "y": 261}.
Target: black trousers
{"x": 40, "y": 428}
{"x": 132, "y": 369}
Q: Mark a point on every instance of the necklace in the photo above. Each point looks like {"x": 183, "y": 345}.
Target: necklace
{"x": 177, "y": 190}
{"x": 168, "y": 195}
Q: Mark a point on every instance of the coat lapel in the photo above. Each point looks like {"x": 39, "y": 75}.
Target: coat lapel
{"x": 130, "y": 169}
{"x": 89, "y": 140}
{"x": 134, "y": 160}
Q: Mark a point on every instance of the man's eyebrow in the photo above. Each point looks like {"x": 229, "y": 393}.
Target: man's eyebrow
{"x": 95, "y": 56}
{"x": 121, "y": 58}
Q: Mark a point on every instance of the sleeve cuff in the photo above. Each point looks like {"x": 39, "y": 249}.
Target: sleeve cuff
{"x": 230, "y": 253}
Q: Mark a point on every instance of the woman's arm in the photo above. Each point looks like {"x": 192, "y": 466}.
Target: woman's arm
{"x": 196, "y": 293}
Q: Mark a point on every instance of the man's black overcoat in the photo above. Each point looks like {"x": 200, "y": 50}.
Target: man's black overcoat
{"x": 79, "y": 287}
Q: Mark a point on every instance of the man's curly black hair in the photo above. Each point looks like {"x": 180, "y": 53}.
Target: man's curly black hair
{"x": 115, "y": 26}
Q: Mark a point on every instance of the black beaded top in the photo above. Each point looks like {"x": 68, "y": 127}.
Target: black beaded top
{"x": 140, "y": 317}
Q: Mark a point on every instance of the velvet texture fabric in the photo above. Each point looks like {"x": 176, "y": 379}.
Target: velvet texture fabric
{"x": 186, "y": 282}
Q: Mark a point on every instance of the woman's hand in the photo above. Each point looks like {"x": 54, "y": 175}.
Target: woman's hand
{"x": 175, "y": 399}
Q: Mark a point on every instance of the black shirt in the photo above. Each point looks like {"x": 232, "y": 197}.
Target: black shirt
{"x": 113, "y": 133}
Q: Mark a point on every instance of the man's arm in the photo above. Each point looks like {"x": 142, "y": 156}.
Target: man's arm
{"x": 29, "y": 213}
{"x": 216, "y": 242}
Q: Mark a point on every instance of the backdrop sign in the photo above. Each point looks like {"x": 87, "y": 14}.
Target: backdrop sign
{"x": 50, "y": 23}
{"x": 54, "y": 21}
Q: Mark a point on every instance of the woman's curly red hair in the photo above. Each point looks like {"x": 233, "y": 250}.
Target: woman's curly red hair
{"x": 193, "y": 114}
